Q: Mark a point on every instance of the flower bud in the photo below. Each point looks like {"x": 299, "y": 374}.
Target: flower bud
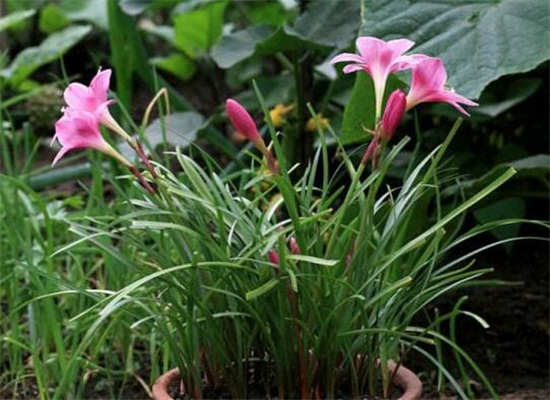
{"x": 243, "y": 122}
{"x": 293, "y": 244}
{"x": 393, "y": 113}
{"x": 273, "y": 257}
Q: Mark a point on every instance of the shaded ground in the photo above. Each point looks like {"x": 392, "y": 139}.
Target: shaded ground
{"x": 514, "y": 351}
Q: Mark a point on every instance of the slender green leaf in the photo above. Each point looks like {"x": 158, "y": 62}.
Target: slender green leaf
{"x": 261, "y": 290}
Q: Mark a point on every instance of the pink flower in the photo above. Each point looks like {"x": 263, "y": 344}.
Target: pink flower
{"x": 93, "y": 99}
{"x": 78, "y": 129}
{"x": 379, "y": 58}
{"x": 243, "y": 123}
{"x": 393, "y": 113}
{"x": 428, "y": 85}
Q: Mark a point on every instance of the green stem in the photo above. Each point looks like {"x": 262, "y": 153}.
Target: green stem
{"x": 298, "y": 145}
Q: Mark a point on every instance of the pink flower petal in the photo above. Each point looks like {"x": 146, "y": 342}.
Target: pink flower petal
{"x": 92, "y": 99}
{"x": 76, "y": 130}
{"x": 348, "y": 57}
{"x": 100, "y": 85}
{"x": 60, "y": 154}
{"x": 79, "y": 97}
{"x": 428, "y": 85}
{"x": 354, "y": 67}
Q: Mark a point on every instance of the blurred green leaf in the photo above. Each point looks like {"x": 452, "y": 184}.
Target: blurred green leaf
{"x": 479, "y": 41}
{"x": 177, "y": 65}
{"x": 260, "y": 40}
{"x": 267, "y": 13}
{"x": 53, "y": 47}
{"x": 92, "y": 11}
{"x": 134, "y": 7}
{"x": 197, "y": 30}
{"x": 52, "y": 19}
{"x": 129, "y": 57}
{"x": 518, "y": 92}
{"x": 240, "y": 45}
{"x": 163, "y": 31}
{"x": 14, "y": 18}
{"x": 533, "y": 166}
{"x": 539, "y": 162}
{"x": 179, "y": 129}
{"x": 513, "y": 207}
{"x": 328, "y": 23}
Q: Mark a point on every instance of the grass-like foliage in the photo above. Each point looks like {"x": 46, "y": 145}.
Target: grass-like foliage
{"x": 312, "y": 283}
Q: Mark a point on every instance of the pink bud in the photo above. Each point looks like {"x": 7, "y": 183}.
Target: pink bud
{"x": 372, "y": 150}
{"x": 393, "y": 113}
{"x": 273, "y": 257}
{"x": 349, "y": 257}
{"x": 294, "y": 248}
{"x": 243, "y": 122}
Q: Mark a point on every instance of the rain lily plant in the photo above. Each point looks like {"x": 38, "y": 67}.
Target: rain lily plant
{"x": 308, "y": 287}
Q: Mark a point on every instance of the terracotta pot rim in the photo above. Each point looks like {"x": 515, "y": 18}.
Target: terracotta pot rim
{"x": 402, "y": 377}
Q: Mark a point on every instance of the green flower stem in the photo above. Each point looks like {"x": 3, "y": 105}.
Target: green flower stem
{"x": 341, "y": 211}
{"x": 298, "y": 144}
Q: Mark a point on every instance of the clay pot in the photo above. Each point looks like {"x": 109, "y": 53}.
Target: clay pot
{"x": 402, "y": 377}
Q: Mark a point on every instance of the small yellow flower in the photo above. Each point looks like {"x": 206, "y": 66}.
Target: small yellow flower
{"x": 311, "y": 125}
{"x": 278, "y": 113}
{"x": 274, "y": 199}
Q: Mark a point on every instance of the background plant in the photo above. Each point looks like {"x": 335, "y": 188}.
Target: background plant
{"x": 508, "y": 133}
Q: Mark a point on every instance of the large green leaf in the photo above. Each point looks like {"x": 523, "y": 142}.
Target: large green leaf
{"x": 328, "y": 23}
{"x": 198, "y": 29}
{"x": 53, "y": 47}
{"x": 238, "y": 46}
{"x": 479, "y": 41}
{"x": 52, "y": 19}
{"x": 92, "y": 11}
{"x": 177, "y": 64}
{"x": 360, "y": 111}
{"x": 179, "y": 129}
{"x": 519, "y": 91}
{"x": 258, "y": 40}
{"x": 513, "y": 207}
{"x": 134, "y": 7}
{"x": 324, "y": 23}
